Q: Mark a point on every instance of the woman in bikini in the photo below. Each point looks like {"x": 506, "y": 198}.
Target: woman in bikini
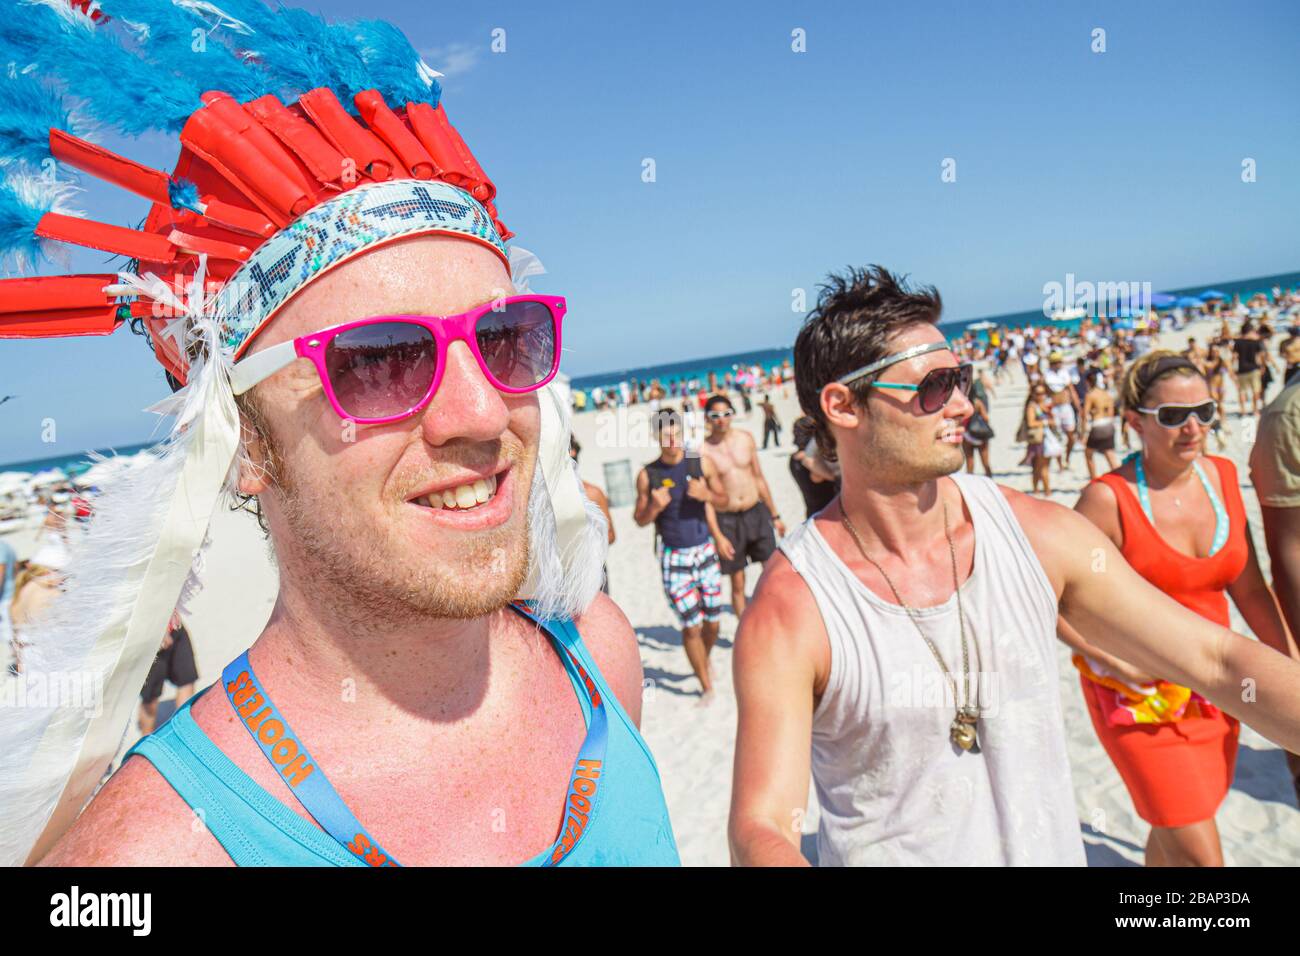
{"x": 1099, "y": 424}
{"x": 1177, "y": 516}
{"x": 1037, "y": 418}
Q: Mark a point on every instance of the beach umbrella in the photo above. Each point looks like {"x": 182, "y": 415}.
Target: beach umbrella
{"x": 1162, "y": 300}
{"x": 1187, "y": 302}
{"x": 1209, "y": 294}
{"x": 982, "y": 326}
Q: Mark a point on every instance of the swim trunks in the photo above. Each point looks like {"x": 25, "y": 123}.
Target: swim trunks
{"x": 751, "y": 535}
{"x": 692, "y": 582}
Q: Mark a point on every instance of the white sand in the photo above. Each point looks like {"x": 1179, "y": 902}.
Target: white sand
{"x": 693, "y": 745}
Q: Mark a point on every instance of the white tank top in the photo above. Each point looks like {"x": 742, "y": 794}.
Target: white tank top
{"x": 893, "y": 788}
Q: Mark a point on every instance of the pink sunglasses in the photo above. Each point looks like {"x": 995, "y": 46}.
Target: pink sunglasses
{"x": 389, "y": 367}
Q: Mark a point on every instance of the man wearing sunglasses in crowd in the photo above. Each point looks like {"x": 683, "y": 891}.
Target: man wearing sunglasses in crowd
{"x": 900, "y": 647}
{"x": 749, "y": 521}
{"x": 392, "y": 426}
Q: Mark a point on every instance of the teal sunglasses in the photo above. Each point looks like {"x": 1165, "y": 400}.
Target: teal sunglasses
{"x": 934, "y": 391}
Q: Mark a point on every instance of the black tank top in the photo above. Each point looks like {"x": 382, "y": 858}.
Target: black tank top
{"x": 681, "y": 524}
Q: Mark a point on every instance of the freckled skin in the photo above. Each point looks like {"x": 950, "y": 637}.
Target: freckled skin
{"x": 447, "y": 685}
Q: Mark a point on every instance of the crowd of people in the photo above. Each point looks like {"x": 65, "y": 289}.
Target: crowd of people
{"x": 1074, "y": 378}
{"x": 744, "y": 380}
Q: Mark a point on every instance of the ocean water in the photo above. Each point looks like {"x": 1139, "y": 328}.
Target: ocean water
{"x": 687, "y": 369}
{"x": 75, "y": 462}
{"x": 766, "y": 358}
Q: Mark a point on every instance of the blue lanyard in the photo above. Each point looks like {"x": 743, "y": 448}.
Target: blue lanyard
{"x": 282, "y": 747}
{"x": 1221, "y": 523}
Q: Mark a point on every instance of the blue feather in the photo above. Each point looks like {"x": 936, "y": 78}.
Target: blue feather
{"x": 287, "y": 44}
{"x": 28, "y": 108}
{"x": 138, "y": 71}
{"x": 183, "y": 194}
{"x": 119, "y": 88}
{"x": 171, "y": 40}
{"x": 23, "y": 201}
{"x": 392, "y": 62}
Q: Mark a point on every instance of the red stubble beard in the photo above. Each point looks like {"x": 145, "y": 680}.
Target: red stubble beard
{"x": 373, "y": 570}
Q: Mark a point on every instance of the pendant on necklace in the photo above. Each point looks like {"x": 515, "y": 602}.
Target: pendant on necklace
{"x": 962, "y": 731}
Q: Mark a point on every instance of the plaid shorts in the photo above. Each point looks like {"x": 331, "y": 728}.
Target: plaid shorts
{"x": 693, "y": 582}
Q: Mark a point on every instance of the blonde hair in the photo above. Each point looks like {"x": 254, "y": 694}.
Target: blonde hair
{"x": 1142, "y": 375}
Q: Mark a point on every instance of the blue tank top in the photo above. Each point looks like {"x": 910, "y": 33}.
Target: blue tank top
{"x": 681, "y": 524}
{"x": 630, "y": 826}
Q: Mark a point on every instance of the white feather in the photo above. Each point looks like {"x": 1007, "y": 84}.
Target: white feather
{"x": 126, "y": 574}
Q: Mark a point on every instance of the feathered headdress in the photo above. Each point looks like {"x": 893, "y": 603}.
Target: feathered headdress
{"x": 303, "y": 145}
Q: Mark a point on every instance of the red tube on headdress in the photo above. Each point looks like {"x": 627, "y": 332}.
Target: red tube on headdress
{"x": 351, "y": 138}
{"x": 248, "y": 128}
{"x": 109, "y": 166}
{"x": 101, "y": 235}
{"x": 316, "y": 152}
{"x": 240, "y": 220}
{"x": 43, "y": 306}
{"x": 456, "y": 164}
{"x": 212, "y": 247}
{"x": 386, "y": 124}
{"x": 244, "y": 167}
{"x": 150, "y": 183}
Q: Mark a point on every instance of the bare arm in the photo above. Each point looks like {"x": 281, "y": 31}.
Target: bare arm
{"x": 764, "y": 493}
{"x": 717, "y": 492}
{"x": 1098, "y": 505}
{"x": 136, "y": 819}
{"x": 602, "y": 502}
{"x": 1257, "y": 604}
{"x": 775, "y": 667}
{"x": 1126, "y": 616}
{"x": 612, "y": 641}
{"x": 647, "y": 506}
{"x": 1282, "y": 538}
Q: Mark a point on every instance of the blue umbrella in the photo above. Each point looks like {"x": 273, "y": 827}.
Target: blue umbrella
{"x": 1163, "y": 300}
{"x": 1209, "y": 294}
{"x": 1187, "y": 302}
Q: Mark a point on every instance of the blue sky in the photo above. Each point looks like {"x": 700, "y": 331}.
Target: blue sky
{"x": 773, "y": 167}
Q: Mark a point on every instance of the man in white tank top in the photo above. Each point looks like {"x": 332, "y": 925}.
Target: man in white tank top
{"x": 849, "y": 662}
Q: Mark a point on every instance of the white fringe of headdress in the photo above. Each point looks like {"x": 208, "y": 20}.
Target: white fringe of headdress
{"x": 124, "y": 578}
{"x": 568, "y": 535}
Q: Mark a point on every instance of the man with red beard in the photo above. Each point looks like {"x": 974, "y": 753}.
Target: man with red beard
{"x": 440, "y": 681}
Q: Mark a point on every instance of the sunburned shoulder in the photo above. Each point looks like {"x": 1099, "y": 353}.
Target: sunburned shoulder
{"x": 783, "y": 614}
{"x": 612, "y": 642}
{"x": 137, "y": 819}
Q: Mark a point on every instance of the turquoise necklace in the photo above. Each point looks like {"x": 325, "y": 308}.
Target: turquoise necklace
{"x": 1221, "y": 523}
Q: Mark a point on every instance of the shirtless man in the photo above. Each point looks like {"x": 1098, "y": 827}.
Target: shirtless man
{"x": 748, "y": 518}
{"x": 915, "y": 561}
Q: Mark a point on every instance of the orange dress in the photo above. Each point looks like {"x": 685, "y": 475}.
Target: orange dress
{"x": 1177, "y": 772}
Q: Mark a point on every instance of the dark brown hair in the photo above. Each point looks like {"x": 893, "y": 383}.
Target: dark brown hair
{"x": 857, "y": 317}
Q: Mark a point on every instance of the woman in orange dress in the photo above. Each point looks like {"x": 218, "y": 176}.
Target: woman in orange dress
{"x": 1177, "y": 516}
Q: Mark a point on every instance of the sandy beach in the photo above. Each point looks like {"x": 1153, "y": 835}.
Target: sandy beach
{"x": 1259, "y": 822}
